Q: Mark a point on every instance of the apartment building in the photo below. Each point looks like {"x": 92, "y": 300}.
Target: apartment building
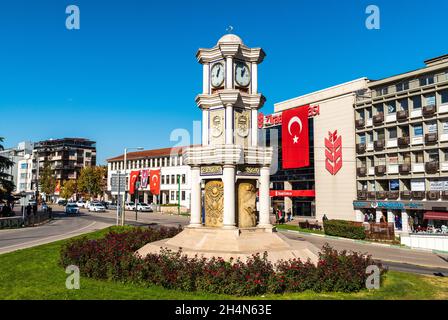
{"x": 66, "y": 157}
{"x": 402, "y": 147}
{"x": 172, "y": 171}
{"x": 18, "y": 155}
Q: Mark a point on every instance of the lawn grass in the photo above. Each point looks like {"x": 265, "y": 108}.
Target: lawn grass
{"x": 297, "y": 228}
{"x": 34, "y": 273}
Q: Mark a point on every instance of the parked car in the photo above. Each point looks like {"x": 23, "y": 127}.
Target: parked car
{"x": 129, "y": 206}
{"x": 44, "y": 207}
{"x": 96, "y": 207}
{"x": 81, "y": 204}
{"x": 143, "y": 207}
{"x": 71, "y": 208}
{"x": 62, "y": 202}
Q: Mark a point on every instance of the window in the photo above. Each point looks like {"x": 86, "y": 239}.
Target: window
{"x": 172, "y": 179}
{"x": 177, "y": 178}
{"x": 163, "y": 179}
{"x": 424, "y": 81}
{"x": 392, "y": 133}
{"x": 418, "y": 130}
{"x": 432, "y": 127}
{"x": 177, "y": 195}
{"x": 444, "y": 96}
{"x": 88, "y": 154}
{"x": 407, "y": 158}
{"x": 23, "y": 175}
{"x": 370, "y": 136}
{"x": 172, "y": 195}
{"x": 393, "y": 158}
{"x": 433, "y": 156}
{"x": 445, "y": 155}
{"x": 391, "y": 107}
{"x": 404, "y": 104}
{"x": 24, "y": 166}
{"x": 416, "y": 102}
{"x": 402, "y": 86}
{"x": 382, "y": 91}
{"x": 183, "y": 179}
{"x": 362, "y": 138}
{"x": 379, "y": 108}
{"x": 445, "y": 127}
{"x": 430, "y": 100}
{"x": 418, "y": 157}
{"x": 183, "y": 195}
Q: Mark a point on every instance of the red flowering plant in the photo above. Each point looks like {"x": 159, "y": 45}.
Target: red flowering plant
{"x": 113, "y": 258}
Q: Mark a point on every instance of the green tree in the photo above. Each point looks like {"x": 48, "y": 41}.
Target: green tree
{"x": 91, "y": 181}
{"x": 47, "y": 181}
{"x": 6, "y": 185}
{"x": 68, "y": 189}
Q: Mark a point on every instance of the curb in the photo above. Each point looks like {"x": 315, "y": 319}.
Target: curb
{"x": 365, "y": 242}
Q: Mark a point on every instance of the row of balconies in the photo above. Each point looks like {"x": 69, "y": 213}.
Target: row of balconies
{"x": 403, "y": 195}
{"x": 401, "y": 142}
{"x": 401, "y": 115}
{"x": 405, "y": 168}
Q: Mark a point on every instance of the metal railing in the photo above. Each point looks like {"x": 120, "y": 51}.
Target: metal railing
{"x": 27, "y": 221}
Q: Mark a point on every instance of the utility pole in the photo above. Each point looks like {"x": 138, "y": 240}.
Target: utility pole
{"x": 178, "y": 194}
{"x": 125, "y": 174}
{"x": 118, "y": 197}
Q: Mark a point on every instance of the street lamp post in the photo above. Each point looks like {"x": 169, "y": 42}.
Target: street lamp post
{"x": 125, "y": 174}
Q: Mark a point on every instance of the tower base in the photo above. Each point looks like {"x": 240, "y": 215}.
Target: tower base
{"x": 235, "y": 243}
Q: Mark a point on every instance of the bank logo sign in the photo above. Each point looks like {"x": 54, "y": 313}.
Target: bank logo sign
{"x": 333, "y": 152}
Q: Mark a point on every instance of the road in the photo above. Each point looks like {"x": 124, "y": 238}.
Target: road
{"x": 63, "y": 227}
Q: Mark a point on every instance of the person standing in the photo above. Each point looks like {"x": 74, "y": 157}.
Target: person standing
{"x": 289, "y": 214}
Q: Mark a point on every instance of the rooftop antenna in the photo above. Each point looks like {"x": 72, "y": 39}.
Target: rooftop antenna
{"x": 229, "y": 29}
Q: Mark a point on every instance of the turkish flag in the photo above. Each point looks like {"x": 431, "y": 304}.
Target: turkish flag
{"x": 295, "y": 145}
{"x": 154, "y": 178}
{"x": 132, "y": 180}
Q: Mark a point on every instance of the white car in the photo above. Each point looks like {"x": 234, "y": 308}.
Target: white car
{"x": 71, "y": 208}
{"x": 96, "y": 207}
{"x": 129, "y": 206}
{"x": 81, "y": 204}
{"x": 143, "y": 207}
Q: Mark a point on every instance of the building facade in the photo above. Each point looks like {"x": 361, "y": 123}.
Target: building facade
{"x": 66, "y": 157}
{"x": 172, "y": 170}
{"x": 17, "y": 155}
{"x": 402, "y": 147}
{"x": 325, "y": 186}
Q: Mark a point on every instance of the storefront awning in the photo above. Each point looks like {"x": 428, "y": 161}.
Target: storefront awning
{"x": 436, "y": 215}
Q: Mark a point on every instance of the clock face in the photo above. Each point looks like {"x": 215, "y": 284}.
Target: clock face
{"x": 217, "y": 74}
{"x": 242, "y": 74}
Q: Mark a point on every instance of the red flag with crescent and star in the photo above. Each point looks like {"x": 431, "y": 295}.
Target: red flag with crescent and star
{"x": 132, "y": 180}
{"x": 154, "y": 178}
{"x": 295, "y": 144}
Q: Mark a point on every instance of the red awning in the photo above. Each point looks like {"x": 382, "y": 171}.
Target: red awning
{"x": 435, "y": 215}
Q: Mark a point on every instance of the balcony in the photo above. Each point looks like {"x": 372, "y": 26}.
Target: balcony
{"x": 362, "y": 195}
{"x": 418, "y": 167}
{"x": 393, "y": 195}
{"x": 403, "y": 142}
{"x": 361, "y": 171}
{"x": 402, "y": 115}
{"x": 380, "y": 170}
{"x": 381, "y": 195}
{"x": 418, "y": 195}
{"x": 371, "y": 194}
{"x": 378, "y": 119}
{"x": 392, "y": 169}
{"x": 378, "y": 145}
{"x": 433, "y": 195}
{"x": 432, "y": 167}
{"x": 431, "y": 138}
{"x": 404, "y": 168}
{"x": 360, "y": 148}
{"x": 405, "y": 195}
{"x": 445, "y": 195}
{"x": 359, "y": 123}
{"x": 429, "y": 111}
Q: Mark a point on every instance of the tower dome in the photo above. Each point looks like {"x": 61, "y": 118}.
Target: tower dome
{"x": 230, "y": 38}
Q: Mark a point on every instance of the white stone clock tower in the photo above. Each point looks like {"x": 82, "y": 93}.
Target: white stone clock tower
{"x": 230, "y": 170}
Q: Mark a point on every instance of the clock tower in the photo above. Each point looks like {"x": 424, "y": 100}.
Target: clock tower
{"x": 230, "y": 170}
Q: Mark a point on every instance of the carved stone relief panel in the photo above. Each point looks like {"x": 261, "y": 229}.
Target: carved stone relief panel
{"x": 247, "y": 193}
{"x": 214, "y": 203}
{"x": 217, "y": 126}
{"x": 242, "y": 127}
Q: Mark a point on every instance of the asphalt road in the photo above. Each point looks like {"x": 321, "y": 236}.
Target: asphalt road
{"x": 64, "y": 226}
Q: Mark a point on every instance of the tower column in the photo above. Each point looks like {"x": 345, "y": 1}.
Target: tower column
{"x": 264, "y": 198}
{"x": 229, "y": 72}
{"x": 229, "y": 124}
{"x": 229, "y": 196}
{"x": 206, "y": 83}
{"x": 254, "y": 134}
{"x": 195, "y": 215}
{"x": 205, "y": 124}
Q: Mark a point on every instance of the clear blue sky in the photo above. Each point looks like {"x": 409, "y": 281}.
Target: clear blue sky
{"x": 129, "y": 76}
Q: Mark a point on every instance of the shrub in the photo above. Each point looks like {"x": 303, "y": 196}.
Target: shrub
{"x": 345, "y": 229}
{"x": 113, "y": 258}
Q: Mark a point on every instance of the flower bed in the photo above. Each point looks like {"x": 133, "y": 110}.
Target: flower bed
{"x": 113, "y": 258}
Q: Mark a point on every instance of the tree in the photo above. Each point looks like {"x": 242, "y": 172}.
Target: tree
{"x": 91, "y": 181}
{"x": 6, "y": 185}
{"x": 47, "y": 181}
{"x": 68, "y": 189}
